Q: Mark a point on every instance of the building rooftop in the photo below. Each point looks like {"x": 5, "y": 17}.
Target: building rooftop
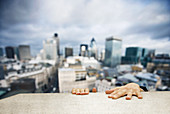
{"x": 147, "y": 76}
{"x": 113, "y": 38}
{"x": 129, "y": 76}
{"x": 97, "y": 103}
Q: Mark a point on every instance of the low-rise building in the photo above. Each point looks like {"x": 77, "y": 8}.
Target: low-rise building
{"x": 70, "y": 78}
{"x": 44, "y": 74}
{"x": 103, "y": 85}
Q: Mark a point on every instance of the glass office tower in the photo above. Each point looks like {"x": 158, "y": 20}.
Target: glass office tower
{"x": 135, "y": 55}
{"x": 10, "y": 52}
{"x": 113, "y": 51}
{"x": 51, "y": 48}
{"x": 93, "y": 52}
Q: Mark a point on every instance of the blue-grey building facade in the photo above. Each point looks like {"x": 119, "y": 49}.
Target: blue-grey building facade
{"x": 10, "y": 52}
{"x": 93, "y": 52}
{"x": 1, "y": 72}
{"x": 113, "y": 51}
{"x": 135, "y": 55}
{"x": 1, "y": 52}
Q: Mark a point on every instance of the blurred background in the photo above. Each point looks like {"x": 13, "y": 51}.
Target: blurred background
{"x": 54, "y": 46}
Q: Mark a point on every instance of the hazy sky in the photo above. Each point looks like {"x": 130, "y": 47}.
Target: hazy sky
{"x": 144, "y": 23}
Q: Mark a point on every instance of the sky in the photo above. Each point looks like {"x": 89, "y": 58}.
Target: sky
{"x": 142, "y": 23}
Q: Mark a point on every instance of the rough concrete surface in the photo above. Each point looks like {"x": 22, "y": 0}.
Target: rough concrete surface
{"x": 58, "y": 103}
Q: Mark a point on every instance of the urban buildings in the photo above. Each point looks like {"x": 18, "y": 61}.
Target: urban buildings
{"x": 68, "y": 52}
{"x": 27, "y": 76}
{"x": 103, "y": 85}
{"x": 85, "y": 71}
{"x": 161, "y": 66}
{"x": 93, "y": 52}
{"x": 24, "y": 52}
{"x": 84, "y": 61}
{"x": 78, "y": 72}
{"x": 113, "y": 47}
{"x": 70, "y": 78}
{"x": 135, "y": 55}
{"x": 51, "y": 48}
{"x": 84, "y": 50}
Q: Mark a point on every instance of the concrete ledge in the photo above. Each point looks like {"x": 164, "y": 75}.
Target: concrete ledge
{"x": 153, "y": 102}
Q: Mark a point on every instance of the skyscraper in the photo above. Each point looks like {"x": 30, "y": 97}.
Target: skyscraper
{"x": 68, "y": 52}
{"x": 58, "y": 42}
{"x": 51, "y": 48}
{"x": 134, "y": 55}
{"x": 1, "y": 52}
{"x": 84, "y": 50}
{"x": 93, "y": 52}
{"x": 134, "y": 52}
{"x": 16, "y": 56}
{"x": 102, "y": 55}
{"x": 113, "y": 51}
{"x": 10, "y": 52}
{"x": 24, "y": 52}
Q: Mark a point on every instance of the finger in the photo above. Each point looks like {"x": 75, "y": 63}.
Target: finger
{"x": 118, "y": 94}
{"x": 73, "y": 91}
{"x": 139, "y": 95}
{"x": 94, "y": 90}
{"x": 141, "y": 90}
{"x": 82, "y": 92}
{"x": 77, "y": 91}
{"x": 129, "y": 95}
{"x": 112, "y": 94}
{"x": 86, "y": 91}
{"x": 134, "y": 93}
{"x": 112, "y": 90}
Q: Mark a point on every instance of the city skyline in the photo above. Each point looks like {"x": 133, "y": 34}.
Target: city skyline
{"x": 138, "y": 23}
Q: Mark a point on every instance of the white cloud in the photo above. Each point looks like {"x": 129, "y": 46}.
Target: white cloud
{"x": 138, "y": 23}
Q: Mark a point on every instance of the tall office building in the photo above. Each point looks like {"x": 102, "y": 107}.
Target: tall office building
{"x": 24, "y": 52}
{"x": 113, "y": 51}
{"x": 102, "y": 55}
{"x": 68, "y": 52}
{"x": 16, "y": 51}
{"x": 1, "y": 52}
{"x": 51, "y": 48}
{"x": 135, "y": 55}
{"x": 134, "y": 52}
{"x": 84, "y": 50}
{"x": 93, "y": 52}
{"x": 58, "y": 43}
{"x": 10, "y": 52}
